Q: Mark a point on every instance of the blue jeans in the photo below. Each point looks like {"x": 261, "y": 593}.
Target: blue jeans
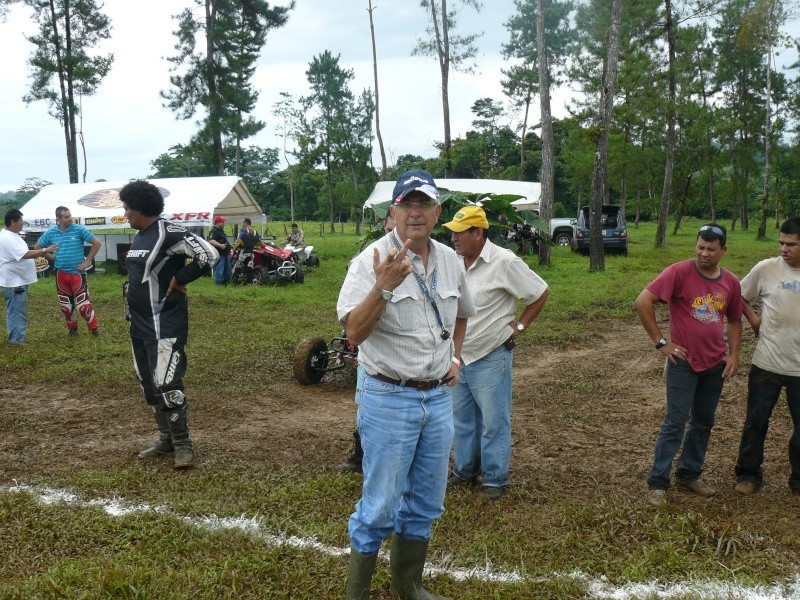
{"x": 222, "y": 270}
{"x": 690, "y": 395}
{"x": 16, "y": 299}
{"x": 482, "y": 419}
{"x": 406, "y": 435}
{"x": 763, "y": 390}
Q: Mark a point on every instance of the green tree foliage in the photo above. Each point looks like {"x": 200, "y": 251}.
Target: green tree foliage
{"x": 29, "y": 188}
{"x": 62, "y": 67}
{"x": 256, "y": 165}
{"x": 521, "y": 80}
{"x": 335, "y": 129}
{"x": 217, "y": 78}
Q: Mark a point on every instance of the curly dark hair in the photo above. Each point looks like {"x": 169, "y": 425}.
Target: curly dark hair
{"x": 144, "y": 197}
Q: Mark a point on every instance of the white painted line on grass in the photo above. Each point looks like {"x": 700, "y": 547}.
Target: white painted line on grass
{"x": 597, "y": 587}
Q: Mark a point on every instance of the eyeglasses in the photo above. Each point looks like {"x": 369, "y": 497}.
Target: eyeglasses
{"x": 420, "y": 204}
{"x": 713, "y": 229}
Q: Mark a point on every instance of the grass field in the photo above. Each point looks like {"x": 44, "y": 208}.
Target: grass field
{"x": 80, "y": 519}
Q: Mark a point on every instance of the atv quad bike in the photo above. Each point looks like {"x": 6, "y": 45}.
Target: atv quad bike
{"x": 271, "y": 264}
{"x": 313, "y": 357}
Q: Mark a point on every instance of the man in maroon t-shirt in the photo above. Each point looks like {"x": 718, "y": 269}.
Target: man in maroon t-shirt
{"x": 701, "y": 296}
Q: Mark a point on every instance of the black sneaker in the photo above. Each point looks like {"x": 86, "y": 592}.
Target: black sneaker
{"x": 351, "y": 465}
{"x": 96, "y": 332}
{"x": 72, "y": 332}
{"x": 493, "y": 492}
{"x": 454, "y": 480}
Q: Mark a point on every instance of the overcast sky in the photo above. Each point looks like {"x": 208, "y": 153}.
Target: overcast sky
{"x": 126, "y": 126}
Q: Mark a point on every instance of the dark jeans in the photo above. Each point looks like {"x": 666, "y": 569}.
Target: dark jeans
{"x": 690, "y": 395}
{"x": 763, "y": 390}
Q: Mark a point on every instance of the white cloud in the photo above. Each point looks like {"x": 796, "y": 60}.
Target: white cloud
{"x": 126, "y": 125}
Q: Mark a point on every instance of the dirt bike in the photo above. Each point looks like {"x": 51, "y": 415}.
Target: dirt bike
{"x": 313, "y": 357}
{"x": 271, "y": 264}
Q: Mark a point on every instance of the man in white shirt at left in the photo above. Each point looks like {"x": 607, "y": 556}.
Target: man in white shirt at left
{"x": 17, "y": 272}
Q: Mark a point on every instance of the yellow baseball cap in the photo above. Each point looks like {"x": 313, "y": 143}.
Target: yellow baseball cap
{"x": 466, "y": 217}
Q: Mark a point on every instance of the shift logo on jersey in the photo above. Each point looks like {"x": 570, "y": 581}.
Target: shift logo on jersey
{"x": 709, "y": 308}
{"x": 137, "y": 253}
{"x": 791, "y": 286}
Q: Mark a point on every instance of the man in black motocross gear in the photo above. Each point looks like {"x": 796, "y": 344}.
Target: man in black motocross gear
{"x": 158, "y": 275}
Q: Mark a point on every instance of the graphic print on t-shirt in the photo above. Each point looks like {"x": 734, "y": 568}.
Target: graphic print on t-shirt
{"x": 709, "y": 308}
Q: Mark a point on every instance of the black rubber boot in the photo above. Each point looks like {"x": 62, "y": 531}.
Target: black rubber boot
{"x": 359, "y": 577}
{"x": 179, "y": 428}
{"x": 353, "y": 464}
{"x": 164, "y": 443}
{"x": 408, "y": 561}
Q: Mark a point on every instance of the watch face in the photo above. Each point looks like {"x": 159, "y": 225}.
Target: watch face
{"x": 520, "y": 327}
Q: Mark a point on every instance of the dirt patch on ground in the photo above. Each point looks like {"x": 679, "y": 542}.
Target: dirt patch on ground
{"x": 584, "y": 421}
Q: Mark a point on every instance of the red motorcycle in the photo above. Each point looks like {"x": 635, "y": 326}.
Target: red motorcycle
{"x": 270, "y": 264}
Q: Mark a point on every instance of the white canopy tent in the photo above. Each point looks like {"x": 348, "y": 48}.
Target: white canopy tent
{"x": 189, "y": 201}
{"x": 529, "y": 190}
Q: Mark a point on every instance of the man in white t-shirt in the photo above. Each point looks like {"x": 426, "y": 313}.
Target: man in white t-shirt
{"x": 775, "y": 282}
{"x": 17, "y": 272}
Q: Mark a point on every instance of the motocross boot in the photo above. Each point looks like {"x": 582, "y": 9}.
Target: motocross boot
{"x": 164, "y": 443}
{"x": 179, "y": 427}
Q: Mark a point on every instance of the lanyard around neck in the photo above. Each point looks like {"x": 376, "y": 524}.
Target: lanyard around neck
{"x": 428, "y": 293}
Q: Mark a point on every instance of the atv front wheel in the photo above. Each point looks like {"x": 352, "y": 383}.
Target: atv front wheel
{"x": 299, "y": 276}
{"x": 260, "y": 276}
{"x": 310, "y": 360}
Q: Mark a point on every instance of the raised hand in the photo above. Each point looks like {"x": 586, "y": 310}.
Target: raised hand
{"x": 393, "y": 270}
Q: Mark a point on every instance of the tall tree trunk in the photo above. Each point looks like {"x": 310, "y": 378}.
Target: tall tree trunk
{"x": 666, "y": 192}
{"x": 546, "y": 177}
{"x": 377, "y": 100}
{"x": 762, "y": 224}
{"x": 214, "y": 119}
{"x": 745, "y": 217}
{"x": 682, "y": 204}
{"x": 600, "y": 170}
{"x": 443, "y": 51}
{"x": 329, "y": 180}
{"x": 522, "y": 139}
{"x": 709, "y": 157}
{"x": 65, "y": 84}
{"x": 623, "y": 184}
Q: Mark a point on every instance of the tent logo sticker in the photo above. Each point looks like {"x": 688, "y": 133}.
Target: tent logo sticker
{"x": 108, "y": 198}
{"x": 94, "y": 221}
{"x": 119, "y": 220}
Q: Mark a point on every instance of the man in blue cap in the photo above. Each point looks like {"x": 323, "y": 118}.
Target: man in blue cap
{"x": 405, "y": 304}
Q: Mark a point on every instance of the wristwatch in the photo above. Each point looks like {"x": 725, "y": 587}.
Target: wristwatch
{"x": 385, "y": 294}
{"x": 661, "y": 343}
{"x": 520, "y": 327}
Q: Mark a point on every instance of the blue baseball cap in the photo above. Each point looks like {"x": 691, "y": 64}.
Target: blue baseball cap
{"x": 418, "y": 180}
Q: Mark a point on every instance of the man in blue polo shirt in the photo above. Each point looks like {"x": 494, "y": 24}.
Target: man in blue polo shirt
{"x": 71, "y": 267}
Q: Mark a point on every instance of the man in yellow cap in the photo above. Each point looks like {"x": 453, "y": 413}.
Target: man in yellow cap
{"x": 497, "y": 278}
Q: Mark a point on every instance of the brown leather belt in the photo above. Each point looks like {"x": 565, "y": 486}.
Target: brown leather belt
{"x": 417, "y": 385}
